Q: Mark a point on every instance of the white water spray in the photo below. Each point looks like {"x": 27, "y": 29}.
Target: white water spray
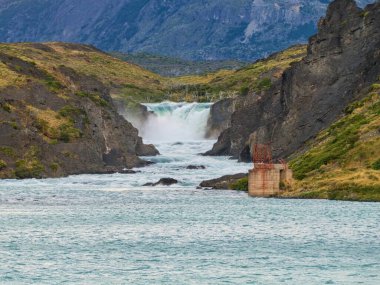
{"x": 176, "y": 121}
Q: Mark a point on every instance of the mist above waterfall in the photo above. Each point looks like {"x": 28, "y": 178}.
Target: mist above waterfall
{"x": 176, "y": 121}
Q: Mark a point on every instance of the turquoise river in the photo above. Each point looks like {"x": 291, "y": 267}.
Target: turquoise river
{"x": 109, "y": 229}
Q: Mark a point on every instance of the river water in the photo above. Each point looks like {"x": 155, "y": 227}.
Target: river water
{"x": 109, "y": 229}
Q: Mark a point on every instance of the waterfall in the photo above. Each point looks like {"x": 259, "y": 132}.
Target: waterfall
{"x": 176, "y": 121}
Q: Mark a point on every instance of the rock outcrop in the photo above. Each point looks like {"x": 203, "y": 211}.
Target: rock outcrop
{"x": 223, "y": 182}
{"x": 163, "y": 182}
{"x": 56, "y": 121}
{"x": 220, "y": 117}
{"x": 343, "y": 59}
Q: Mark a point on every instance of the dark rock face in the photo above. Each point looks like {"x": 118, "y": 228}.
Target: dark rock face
{"x": 135, "y": 113}
{"x": 220, "y": 117}
{"x": 163, "y": 181}
{"x": 342, "y": 59}
{"x": 218, "y": 29}
{"x": 90, "y": 136}
{"x": 223, "y": 182}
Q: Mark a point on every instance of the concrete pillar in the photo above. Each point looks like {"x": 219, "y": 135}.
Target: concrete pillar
{"x": 264, "y": 180}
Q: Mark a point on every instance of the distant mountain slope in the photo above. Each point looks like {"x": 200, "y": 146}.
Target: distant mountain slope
{"x": 173, "y": 67}
{"x": 191, "y": 29}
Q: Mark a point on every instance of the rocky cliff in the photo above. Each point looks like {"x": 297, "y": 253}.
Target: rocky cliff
{"x": 343, "y": 58}
{"x": 195, "y": 29}
{"x": 56, "y": 120}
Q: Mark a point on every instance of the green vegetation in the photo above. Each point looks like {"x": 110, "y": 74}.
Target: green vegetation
{"x": 112, "y": 72}
{"x": 131, "y": 83}
{"x": 168, "y": 66}
{"x": 13, "y": 124}
{"x": 3, "y": 164}
{"x": 8, "y": 151}
{"x": 67, "y": 133}
{"x": 54, "y": 166}
{"x": 94, "y": 97}
{"x": 53, "y": 84}
{"x": 263, "y": 84}
{"x": 70, "y": 111}
{"x": 240, "y": 185}
{"x": 347, "y": 192}
{"x": 376, "y": 165}
{"x": 56, "y": 126}
{"x": 343, "y": 161}
{"x": 30, "y": 166}
{"x": 6, "y": 107}
{"x": 255, "y": 77}
{"x": 339, "y": 139}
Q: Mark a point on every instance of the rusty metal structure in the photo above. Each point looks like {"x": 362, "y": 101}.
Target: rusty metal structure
{"x": 266, "y": 176}
{"x": 262, "y": 156}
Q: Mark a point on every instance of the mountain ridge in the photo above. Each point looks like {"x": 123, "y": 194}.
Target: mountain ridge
{"x": 201, "y": 30}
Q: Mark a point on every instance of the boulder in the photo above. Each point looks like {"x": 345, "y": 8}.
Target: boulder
{"x": 195, "y": 167}
{"x": 163, "y": 182}
{"x": 223, "y": 182}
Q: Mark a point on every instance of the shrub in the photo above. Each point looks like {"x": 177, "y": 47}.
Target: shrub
{"x": 28, "y": 169}
{"x": 67, "y": 132}
{"x": 3, "y": 164}
{"x": 41, "y": 126}
{"x": 8, "y": 151}
{"x": 94, "y": 97}
{"x": 376, "y": 165}
{"x": 264, "y": 84}
{"x": 69, "y": 111}
{"x": 14, "y": 125}
{"x": 52, "y": 83}
{"x": 375, "y": 86}
{"x": 240, "y": 185}
{"x": 54, "y": 166}
{"x": 5, "y": 106}
{"x": 244, "y": 90}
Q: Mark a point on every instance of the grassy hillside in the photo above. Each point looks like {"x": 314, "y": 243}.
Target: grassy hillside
{"x": 125, "y": 80}
{"x": 56, "y": 113}
{"x": 231, "y": 83}
{"x": 131, "y": 83}
{"x": 343, "y": 162}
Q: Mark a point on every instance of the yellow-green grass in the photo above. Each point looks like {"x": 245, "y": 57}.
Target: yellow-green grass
{"x": 130, "y": 82}
{"x": 228, "y": 83}
{"x": 344, "y": 161}
{"x": 123, "y": 79}
{"x": 55, "y": 125}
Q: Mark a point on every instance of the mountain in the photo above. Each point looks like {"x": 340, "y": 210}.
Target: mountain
{"x": 57, "y": 116}
{"x": 189, "y": 29}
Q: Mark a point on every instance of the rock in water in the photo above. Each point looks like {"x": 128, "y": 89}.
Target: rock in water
{"x": 223, "y": 182}
{"x": 195, "y": 167}
{"x": 163, "y": 181}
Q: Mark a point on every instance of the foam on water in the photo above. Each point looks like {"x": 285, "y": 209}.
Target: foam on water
{"x": 176, "y": 121}
{"x": 109, "y": 229}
